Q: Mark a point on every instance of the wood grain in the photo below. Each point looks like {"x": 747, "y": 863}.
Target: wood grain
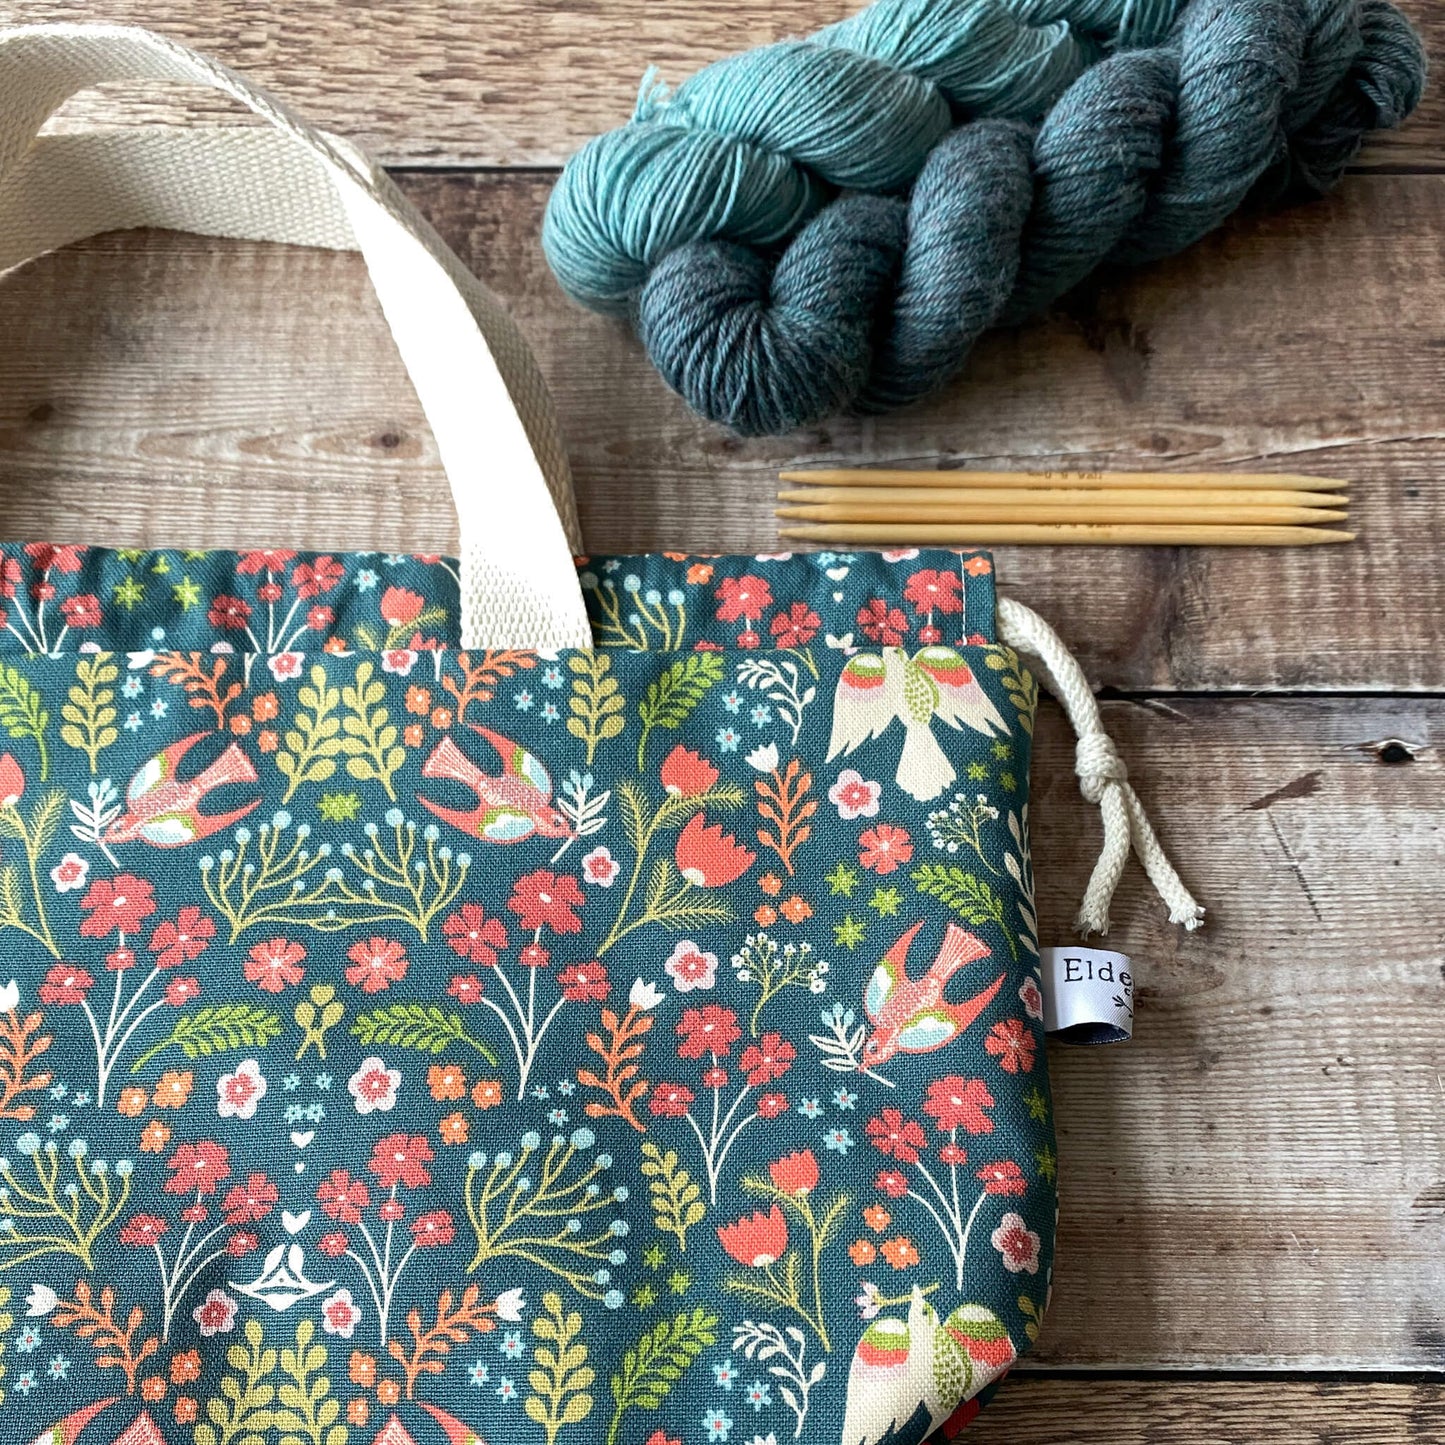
{"x": 1258, "y": 1178}
{"x": 511, "y": 82}
{"x": 169, "y": 388}
{"x": 1102, "y": 1410}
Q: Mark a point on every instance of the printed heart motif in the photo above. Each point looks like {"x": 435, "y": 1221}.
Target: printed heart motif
{"x": 837, "y": 597}
{"x": 836, "y": 574}
{"x": 295, "y": 1223}
{"x": 301, "y": 1140}
{"x": 300, "y": 1167}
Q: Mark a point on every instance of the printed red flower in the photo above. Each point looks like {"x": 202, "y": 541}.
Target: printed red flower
{"x": 959, "y": 1103}
{"x": 143, "y": 1229}
{"x": 245, "y": 1205}
{"x": 180, "y": 991}
{"x": 269, "y": 559}
{"x": 711, "y": 1029}
{"x": 333, "y": 1243}
{"x": 1005, "y": 1177}
{"x": 232, "y": 613}
{"x": 768, "y": 1059}
{"x": 274, "y": 964}
{"x": 661, "y": 1437}
{"x": 686, "y": 774}
{"x": 194, "y": 1214}
{"x": 398, "y": 606}
{"x": 120, "y": 902}
{"x": 183, "y": 939}
{"x": 433, "y": 1228}
{"x": 883, "y": 623}
{"x": 746, "y": 596}
{"x": 313, "y": 578}
{"x": 377, "y": 964}
{"x": 708, "y": 857}
{"x": 546, "y": 900}
{"x": 1011, "y": 1043}
{"x": 61, "y": 556}
{"x": 796, "y": 627}
{"x": 318, "y": 619}
{"x": 534, "y": 956}
{"x": 402, "y": 1159}
{"x": 900, "y": 1138}
{"x": 118, "y": 960}
{"x": 65, "y": 983}
{"x": 198, "y": 1168}
{"x": 10, "y": 575}
{"x": 242, "y": 1242}
{"x": 715, "y": 1077}
{"x": 952, "y": 1154}
{"x": 892, "y": 1183}
{"x": 758, "y": 1240}
{"x": 770, "y": 1106}
{"x": 931, "y": 591}
{"x": 465, "y": 988}
{"x": 795, "y": 1173}
{"x": 885, "y": 848}
{"x": 584, "y": 982}
{"x": 670, "y": 1101}
{"x": 82, "y": 610}
{"x": 12, "y": 781}
{"x": 470, "y": 934}
{"x": 391, "y": 1210}
{"x": 343, "y": 1197}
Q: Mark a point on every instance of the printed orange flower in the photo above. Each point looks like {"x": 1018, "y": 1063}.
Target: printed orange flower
{"x": 240, "y": 724}
{"x": 453, "y": 1129}
{"x": 708, "y": 857}
{"x": 756, "y": 1241}
{"x": 185, "y": 1367}
{"x": 446, "y": 1081}
{"x": 132, "y": 1102}
{"x": 441, "y": 717}
{"x": 877, "y": 1218}
{"x": 154, "y": 1137}
{"x": 265, "y": 707}
{"x": 418, "y": 699}
{"x": 412, "y": 735}
{"x": 174, "y": 1088}
{"x": 388, "y": 1392}
{"x": 765, "y": 915}
{"x": 486, "y": 1093}
{"x": 771, "y": 884}
{"x": 899, "y": 1252}
{"x": 861, "y": 1252}
{"x": 363, "y": 1369}
{"x": 699, "y": 573}
{"x": 686, "y": 774}
{"x": 795, "y": 1173}
{"x": 153, "y": 1388}
{"x": 796, "y": 909}
{"x": 267, "y": 740}
{"x": 335, "y": 645}
{"x": 977, "y": 566}
{"x": 186, "y": 1410}
{"x": 358, "y": 1412}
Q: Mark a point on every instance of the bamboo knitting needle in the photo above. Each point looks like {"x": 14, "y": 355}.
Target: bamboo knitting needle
{"x": 992, "y": 534}
{"x": 1049, "y": 512}
{"x": 959, "y": 498}
{"x": 1232, "y": 481}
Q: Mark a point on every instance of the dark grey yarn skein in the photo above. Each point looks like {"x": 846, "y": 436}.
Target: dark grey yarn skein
{"x": 877, "y": 301}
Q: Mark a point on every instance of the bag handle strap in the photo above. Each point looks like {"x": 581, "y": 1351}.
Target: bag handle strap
{"x": 475, "y": 376}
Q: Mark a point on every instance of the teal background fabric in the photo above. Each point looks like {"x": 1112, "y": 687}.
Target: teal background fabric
{"x": 638, "y": 1047}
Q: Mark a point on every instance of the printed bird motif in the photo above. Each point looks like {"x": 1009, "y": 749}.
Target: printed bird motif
{"x": 165, "y": 812}
{"x": 903, "y": 1367}
{"x": 67, "y": 1431}
{"x": 875, "y": 691}
{"x": 510, "y": 807}
{"x": 911, "y": 1016}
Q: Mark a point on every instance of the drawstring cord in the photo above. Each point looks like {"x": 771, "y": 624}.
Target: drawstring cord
{"x": 1103, "y": 778}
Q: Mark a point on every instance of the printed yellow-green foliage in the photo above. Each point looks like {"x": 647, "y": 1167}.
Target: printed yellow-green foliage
{"x": 1019, "y": 683}
{"x": 560, "y": 1383}
{"x": 307, "y": 1413}
{"x": 241, "y": 1414}
{"x": 668, "y": 701}
{"x": 21, "y": 712}
{"x": 596, "y": 702}
{"x": 89, "y": 714}
{"x": 676, "y": 1201}
{"x": 312, "y": 742}
{"x": 657, "y": 1362}
{"x": 370, "y": 741}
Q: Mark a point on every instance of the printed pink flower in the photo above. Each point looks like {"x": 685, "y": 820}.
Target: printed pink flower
{"x": 854, "y": 795}
{"x": 343, "y": 1197}
{"x": 65, "y": 983}
{"x": 885, "y": 848}
{"x": 584, "y": 982}
{"x": 216, "y": 1314}
{"x": 470, "y": 934}
{"x": 12, "y": 786}
{"x": 238, "y": 1094}
{"x": 318, "y": 619}
{"x": 931, "y": 591}
{"x": 198, "y": 1168}
{"x": 313, "y": 578}
{"x": 377, "y": 963}
{"x": 232, "y": 613}
{"x": 546, "y": 900}
{"x": 82, "y": 610}
{"x": 1012, "y": 1044}
{"x": 958, "y": 1103}
{"x": 183, "y": 939}
{"x": 1005, "y": 1177}
{"x": 746, "y": 596}
{"x": 768, "y": 1059}
{"x": 433, "y": 1228}
{"x": 670, "y": 1101}
{"x": 1032, "y": 998}
{"x": 116, "y": 903}
{"x": 340, "y": 1315}
{"x": 600, "y": 868}
{"x": 883, "y": 623}
{"x": 711, "y": 1029}
{"x": 374, "y": 1086}
{"x": 709, "y": 858}
{"x": 399, "y": 661}
{"x": 686, "y": 774}
{"x": 274, "y": 964}
{"x": 757, "y": 1241}
{"x": 402, "y": 1159}
{"x": 690, "y": 968}
{"x": 1018, "y": 1245}
{"x": 796, "y": 627}
{"x": 890, "y": 1133}
{"x": 143, "y": 1229}
{"x": 399, "y": 607}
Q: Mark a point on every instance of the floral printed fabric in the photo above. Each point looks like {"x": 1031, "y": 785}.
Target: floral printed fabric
{"x": 635, "y": 1047}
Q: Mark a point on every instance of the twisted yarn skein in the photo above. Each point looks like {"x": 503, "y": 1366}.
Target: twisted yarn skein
{"x": 875, "y": 299}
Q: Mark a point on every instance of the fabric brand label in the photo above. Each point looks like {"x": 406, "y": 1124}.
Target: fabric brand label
{"x": 1088, "y": 995}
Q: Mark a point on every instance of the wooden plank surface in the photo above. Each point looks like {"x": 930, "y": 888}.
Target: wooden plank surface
{"x": 170, "y": 388}
{"x": 1258, "y": 1179}
{"x": 1103, "y": 1410}
{"x": 510, "y": 82}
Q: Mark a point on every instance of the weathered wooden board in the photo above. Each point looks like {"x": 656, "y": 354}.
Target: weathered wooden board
{"x": 1258, "y": 1179}
{"x": 510, "y": 82}
{"x": 167, "y": 388}
{"x": 1100, "y": 1410}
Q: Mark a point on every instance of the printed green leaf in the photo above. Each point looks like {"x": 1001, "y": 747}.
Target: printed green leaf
{"x": 218, "y": 1029}
{"x": 21, "y": 713}
{"x": 968, "y": 895}
{"x": 423, "y": 1027}
{"x": 676, "y": 1201}
{"x": 668, "y": 701}
{"x": 89, "y": 713}
{"x": 560, "y": 1382}
{"x": 311, "y": 741}
{"x": 596, "y": 703}
{"x": 1019, "y": 683}
{"x": 240, "y": 1414}
{"x": 370, "y": 742}
{"x": 308, "y": 1411}
{"x": 657, "y": 1362}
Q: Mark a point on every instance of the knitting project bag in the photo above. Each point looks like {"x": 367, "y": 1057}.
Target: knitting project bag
{"x": 427, "y": 1027}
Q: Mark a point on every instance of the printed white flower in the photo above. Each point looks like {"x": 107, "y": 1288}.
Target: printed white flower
{"x": 340, "y": 1314}
{"x": 765, "y": 758}
{"x": 854, "y": 795}
{"x": 510, "y": 1305}
{"x": 1018, "y": 1245}
{"x": 216, "y": 1314}
{"x": 40, "y": 1301}
{"x": 645, "y": 994}
{"x": 70, "y": 873}
{"x": 690, "y": 967}
{"x": 238, "y": 1094}
{"x": 286, "y": 665}
{"x": 374, "y": 1086}
{"x": 9, "y": 997}
{"x": 400, "y": 660}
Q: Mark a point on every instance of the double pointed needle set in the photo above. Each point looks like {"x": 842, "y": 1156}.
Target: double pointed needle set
{"x": 1146, "y": 509}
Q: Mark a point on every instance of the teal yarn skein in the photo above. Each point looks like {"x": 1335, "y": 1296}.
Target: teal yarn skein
{"x": 751, "y": 147}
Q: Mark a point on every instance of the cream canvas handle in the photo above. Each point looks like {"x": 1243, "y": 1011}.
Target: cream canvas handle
{"x": 474, "y": 374}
